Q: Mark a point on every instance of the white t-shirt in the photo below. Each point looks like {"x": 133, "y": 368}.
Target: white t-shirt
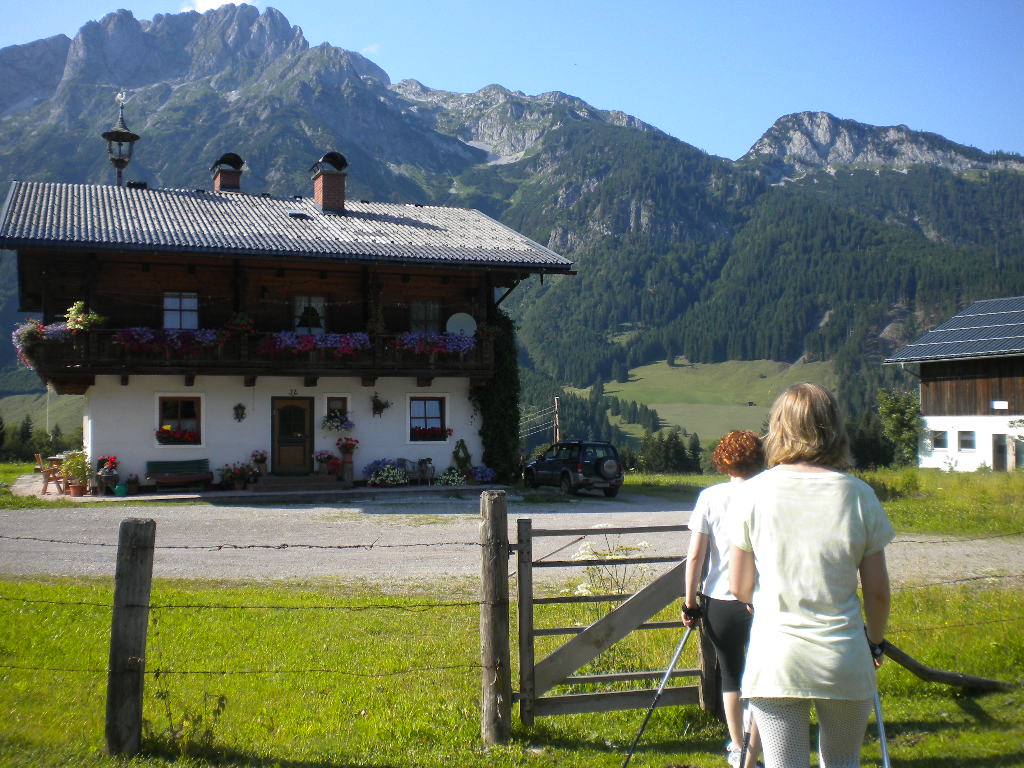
{"x": 711, "y": 516}
{"x": 809, "y": 532}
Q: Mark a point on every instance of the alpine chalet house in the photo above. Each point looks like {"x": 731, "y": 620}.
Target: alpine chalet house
{"x": 231, "y": 322}
{"x": 972, "y": 387}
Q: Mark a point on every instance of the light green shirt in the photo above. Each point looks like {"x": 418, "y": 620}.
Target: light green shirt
{"x": 809, "y": 532}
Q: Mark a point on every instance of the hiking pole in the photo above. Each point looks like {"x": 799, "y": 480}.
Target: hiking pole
{"x": 746, "y": 734}
{"x": 657, "y": 694}
{"x": 881, "y": 732}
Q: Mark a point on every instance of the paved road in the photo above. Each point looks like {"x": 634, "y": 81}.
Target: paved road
{"x": 391, "y": 539}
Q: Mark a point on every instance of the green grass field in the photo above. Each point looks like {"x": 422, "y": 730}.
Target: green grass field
{"x": 711, "y": 398}
{"x": 339, "y": 676}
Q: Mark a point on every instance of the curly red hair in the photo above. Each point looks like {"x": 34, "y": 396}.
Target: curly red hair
{"x": 739, "y": 453}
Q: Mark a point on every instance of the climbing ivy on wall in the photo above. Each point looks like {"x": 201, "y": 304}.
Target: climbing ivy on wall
{"x": 497, "y": 402}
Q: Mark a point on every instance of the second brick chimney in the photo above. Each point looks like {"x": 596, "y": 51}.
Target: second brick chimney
{"x": 329, "y": 190}
{"x": 329, "y": 182}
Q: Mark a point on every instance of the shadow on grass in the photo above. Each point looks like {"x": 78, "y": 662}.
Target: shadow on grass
{"x": 161, "y": 748}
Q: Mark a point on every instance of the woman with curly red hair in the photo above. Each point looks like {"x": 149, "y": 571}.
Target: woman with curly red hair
{"x": 726, "y": 620}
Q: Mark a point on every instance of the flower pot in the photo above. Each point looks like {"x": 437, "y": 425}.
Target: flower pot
{"x": 238, "y": 485}
{"x": 346, "y": 472}
{"x": 261, "y": 467}
{"x": 76, "y": 490}
{"x": 325, "y": 467}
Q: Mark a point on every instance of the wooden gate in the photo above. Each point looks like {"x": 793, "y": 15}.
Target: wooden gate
{"x": 537, "y": 678}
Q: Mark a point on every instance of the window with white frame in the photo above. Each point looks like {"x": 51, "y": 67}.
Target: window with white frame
{"x": 966, "y": 441}
{"x": 427, "y": 419}
{"x": 180, "y": 420}
{"x": 181, "y": 310}
{"x": 940, "y": 439}
{"x": 309, "y": 314}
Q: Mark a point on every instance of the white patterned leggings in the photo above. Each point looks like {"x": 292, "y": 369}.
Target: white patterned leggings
{"x": 785, "y": 731}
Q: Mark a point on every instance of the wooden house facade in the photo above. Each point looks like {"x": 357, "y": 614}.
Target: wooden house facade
{"x": 971, "y": 370}
{"x": 231, "y": 322}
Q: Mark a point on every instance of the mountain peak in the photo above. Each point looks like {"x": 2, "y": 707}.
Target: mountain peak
{"x": 806, "y": 141}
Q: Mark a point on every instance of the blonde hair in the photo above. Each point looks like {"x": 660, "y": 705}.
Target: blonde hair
{"x": 805, "y": 425}
{"x": 739, "y": 453}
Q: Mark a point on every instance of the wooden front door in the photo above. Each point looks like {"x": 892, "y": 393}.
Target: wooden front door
{"x": 292, "y": 435}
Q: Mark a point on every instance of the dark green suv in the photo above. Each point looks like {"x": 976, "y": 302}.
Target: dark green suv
{"x": 576, "y": 465}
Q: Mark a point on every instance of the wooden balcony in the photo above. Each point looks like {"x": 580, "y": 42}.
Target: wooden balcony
{"x": 73, "y": 365}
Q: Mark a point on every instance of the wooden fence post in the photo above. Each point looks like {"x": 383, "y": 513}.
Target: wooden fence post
{"x": 495, "y": 654}
{"x": 524, "y": 575}
{"x": 133, "y": 579}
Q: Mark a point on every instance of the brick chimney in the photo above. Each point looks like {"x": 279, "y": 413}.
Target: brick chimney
{"x": 227, "y": 173}
{"x": 329, "y": 190}
{"x": 227, "y": 180}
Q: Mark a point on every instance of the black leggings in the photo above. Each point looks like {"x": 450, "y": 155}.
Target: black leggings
{"x": 727, "y": 623}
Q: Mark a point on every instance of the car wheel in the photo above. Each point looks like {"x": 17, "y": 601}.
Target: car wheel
{"x": 611, "y": 493}
{"x": 608, "y": 468}
{"x": 530, "y": 480}
{"x": 566, "y": 485}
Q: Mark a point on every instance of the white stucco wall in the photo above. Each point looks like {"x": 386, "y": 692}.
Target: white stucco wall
{"x": 967, "y": 460}
{"x": 121, "y": 420}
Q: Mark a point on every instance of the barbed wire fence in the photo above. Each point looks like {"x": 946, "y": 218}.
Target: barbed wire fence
{"x": 133, "y": 661}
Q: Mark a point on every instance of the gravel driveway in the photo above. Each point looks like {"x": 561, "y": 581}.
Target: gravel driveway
{"x": 394, "y": 538}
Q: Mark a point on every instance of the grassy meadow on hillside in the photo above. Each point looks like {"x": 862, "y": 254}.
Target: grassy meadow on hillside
{"x": 65, "y": 410}
{"x": 711, "y": 398}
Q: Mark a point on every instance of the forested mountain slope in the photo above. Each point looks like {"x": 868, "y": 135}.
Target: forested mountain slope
{"x": 830, "y": 239}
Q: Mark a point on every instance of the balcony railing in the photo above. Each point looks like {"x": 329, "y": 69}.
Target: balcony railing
{"x": 102, "y": 351}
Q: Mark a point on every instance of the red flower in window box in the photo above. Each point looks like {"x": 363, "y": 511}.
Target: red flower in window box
{"x": 168, "y": 435}
{"x": 430, "y": 433}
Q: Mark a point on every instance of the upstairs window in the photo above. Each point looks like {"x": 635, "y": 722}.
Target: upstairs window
{"x": 940, "y": 440}
{"x": 424, "y": 317}
{"x": 181, "y": 310}
{"x": 309, "y": 314}
{"x": 427, "y": 419}
{"x": 180, "y": 422}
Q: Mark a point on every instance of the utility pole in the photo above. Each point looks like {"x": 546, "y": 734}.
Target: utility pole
{"x": 557, "y": 424}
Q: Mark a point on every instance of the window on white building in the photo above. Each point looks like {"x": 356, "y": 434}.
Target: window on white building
{"x": 966, "y": 441}
{"x": 180, "y": 421}
{"x": 940, "y": 440}
{"x": 309, "y": 314}
{"x": 181, "y": 310}
{"x": 427, "y": 419}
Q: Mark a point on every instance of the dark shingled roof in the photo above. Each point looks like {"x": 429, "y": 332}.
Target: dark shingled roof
{"x": 987, "y": 328}
{"x": 94, "y": 216}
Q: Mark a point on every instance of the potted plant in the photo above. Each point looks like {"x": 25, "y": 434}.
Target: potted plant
{"x": 76, "y": 470}
{"x": 237, "y": 474}
{"x": 378, "y": 404}
{"x": 259, "y": 458}
{"x": 323, "y": 460}
{"x": 132, "y": 483}
{"x": 107, "y": 476}
{"x": 336, "y": 420}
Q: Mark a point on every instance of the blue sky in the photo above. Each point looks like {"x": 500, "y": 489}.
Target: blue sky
{"x": 715, "y": 73}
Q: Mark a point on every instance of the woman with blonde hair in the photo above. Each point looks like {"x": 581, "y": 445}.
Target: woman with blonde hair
{"x": 726, "y": 620}
{"x": 804, "y": 532}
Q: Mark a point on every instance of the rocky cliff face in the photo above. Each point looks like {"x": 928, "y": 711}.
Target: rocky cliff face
{"x": 807, "y": 141}
{"x": 503, "y": 123}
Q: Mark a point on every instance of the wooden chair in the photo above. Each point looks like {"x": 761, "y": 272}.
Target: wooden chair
{"x": 50, "y": 475}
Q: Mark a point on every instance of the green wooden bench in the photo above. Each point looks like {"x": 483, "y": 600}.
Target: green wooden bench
{"x": 185, "y": 472}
